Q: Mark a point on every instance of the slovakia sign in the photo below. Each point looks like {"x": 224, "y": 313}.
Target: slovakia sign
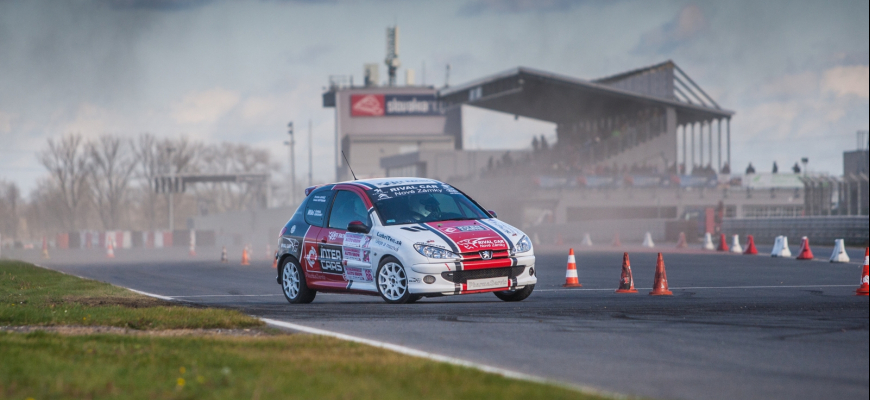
{"x": 392, "y": 105}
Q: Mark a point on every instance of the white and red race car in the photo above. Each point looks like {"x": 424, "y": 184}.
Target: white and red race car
{"x": 402, "y": 239}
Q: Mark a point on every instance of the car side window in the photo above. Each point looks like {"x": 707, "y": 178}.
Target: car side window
{"x": 315, "y": 211}
{"x": 348, "y": 207}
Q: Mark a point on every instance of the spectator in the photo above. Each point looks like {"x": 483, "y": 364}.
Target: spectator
{"x": 796, "y": 168}
{"x": 544, "y": 145}
{"x": 535, "y": 144}
{"x": 750, "y": 169}
{"x": 775, "y": 168}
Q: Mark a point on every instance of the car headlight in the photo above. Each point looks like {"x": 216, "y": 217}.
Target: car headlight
{"x": 434, "y": 252}
{"x": 524, "y": 245}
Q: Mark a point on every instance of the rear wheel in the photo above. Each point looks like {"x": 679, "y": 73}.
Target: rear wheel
{"x": 516, "y": 295}
{"x": 293, "y": 282}
{"x": 392, "y": 282}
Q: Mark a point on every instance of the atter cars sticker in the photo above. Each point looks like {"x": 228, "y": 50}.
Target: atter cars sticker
{"x": 358, "y": 274}
{"x": 330, "y": 259}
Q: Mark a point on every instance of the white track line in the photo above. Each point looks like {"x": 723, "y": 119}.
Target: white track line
{"x": 703, "y": 287}
{"x": 156, "y": 296}
{"x": 227, "y": 295}
{"x": 436, "y": 357}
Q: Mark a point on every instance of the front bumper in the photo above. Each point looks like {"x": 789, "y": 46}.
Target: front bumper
{"x": 451, "y": 280}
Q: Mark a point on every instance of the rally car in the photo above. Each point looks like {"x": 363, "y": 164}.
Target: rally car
{"x": 402, "y": 239}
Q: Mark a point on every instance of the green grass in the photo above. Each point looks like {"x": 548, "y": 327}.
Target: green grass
{"x": 30, "y": 295}
{"x": 42, "y": 365}
{"x": 50, "y": 366}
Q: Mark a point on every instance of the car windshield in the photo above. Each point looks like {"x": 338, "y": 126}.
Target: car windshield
{"x": 411, "y": 204}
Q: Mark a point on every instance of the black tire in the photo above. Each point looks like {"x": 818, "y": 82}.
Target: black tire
{"x": 516, "y": 295}
{"x": 303, "y": 294}
{"x": 390, "y": 286}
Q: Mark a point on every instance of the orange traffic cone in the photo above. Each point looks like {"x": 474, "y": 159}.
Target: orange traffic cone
{"x": 805, "y": 253}
{"x": 681, "y": 242}
{"x": 571, "y": 280}
{"x": 750, "y": 246}
{"x": 110, "y": 250}
{"x": 626, "y": 282}
{"x": 723, "y": 245}
{"x": 864, "y": 289}
{"x": 616, "y": 242}
{"x": 660, "y": 286}
{"x": 245, "y": 259}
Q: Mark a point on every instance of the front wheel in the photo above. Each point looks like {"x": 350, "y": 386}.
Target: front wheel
{"x": 293, "y": 282}
{"x": 516, "y": 295}
{"x": 393, "y": 282}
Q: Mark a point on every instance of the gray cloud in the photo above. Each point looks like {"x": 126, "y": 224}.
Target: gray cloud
{"x": 478, "y": 7}
{"x": 167, "y": 5}
{"x": 684, "y": 27}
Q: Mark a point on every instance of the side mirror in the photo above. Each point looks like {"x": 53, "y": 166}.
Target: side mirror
{"x": 357, "y": 227}
{"x": 494, "y": 215}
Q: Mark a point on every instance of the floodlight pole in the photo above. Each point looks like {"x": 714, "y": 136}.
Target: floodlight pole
{"x": 292, "y": 144}
{"x": 171, "y": 189}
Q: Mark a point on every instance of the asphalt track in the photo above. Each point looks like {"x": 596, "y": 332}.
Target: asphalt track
{"x": 737, "y": 326}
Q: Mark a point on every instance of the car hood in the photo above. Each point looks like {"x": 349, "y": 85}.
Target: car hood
{"x": 458, "y": 236}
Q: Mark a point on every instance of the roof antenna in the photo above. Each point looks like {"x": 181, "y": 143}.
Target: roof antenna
{"x": 348, "y": 165}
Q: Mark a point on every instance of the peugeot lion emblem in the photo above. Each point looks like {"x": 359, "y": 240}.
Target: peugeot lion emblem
{"x": 486, "y": 254}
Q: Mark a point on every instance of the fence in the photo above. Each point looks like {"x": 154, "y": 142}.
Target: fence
{"x": 853, "y": 229}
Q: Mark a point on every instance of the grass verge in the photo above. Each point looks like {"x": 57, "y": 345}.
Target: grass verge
{"x": 49, "y": 366}
{"x": 40, "y": 365}
{"x": 30, "y": 295}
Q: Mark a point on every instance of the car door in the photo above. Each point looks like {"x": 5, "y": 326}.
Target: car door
{"x": 347, "y": 206}
{"x": 315, "y": 215}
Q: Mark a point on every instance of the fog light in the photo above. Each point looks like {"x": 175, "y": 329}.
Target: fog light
{"x": 429, "y": 279}
{"x": 531, "y": 271}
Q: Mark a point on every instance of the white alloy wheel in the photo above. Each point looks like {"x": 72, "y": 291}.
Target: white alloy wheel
{"x": 291, "y": 280}
{"x": 392, "y": 281}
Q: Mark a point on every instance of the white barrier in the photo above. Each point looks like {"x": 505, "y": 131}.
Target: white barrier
{"x": 708, "y": 242}
{"x": 647, "y": 241}
{"x": 587, "y": 240}
{"x": 839, "y": 255}
{"x": 735, "y": 244}
{"x": 780, "y": 247}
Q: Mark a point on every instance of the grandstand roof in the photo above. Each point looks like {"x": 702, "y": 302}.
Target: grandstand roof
{"x": 557, "y": 98}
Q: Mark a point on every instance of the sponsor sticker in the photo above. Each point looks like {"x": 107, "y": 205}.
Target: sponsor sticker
{"x": 490, "y": 283}
{"x": 289, "y": 244}
{"x": 319, "y": 199}
{"x": 471, "y": 228}
{"x": 311, "y": 257}
{"x": 389, "y": 239}
{"x": 358, "y": 274}
{"x": 355, "y": 254}
{"x": 335, "y": 235}
{"x": 388, "y": 245}
{"x": 293, "y": 229}
{"x": 315, "y": 212}
{"x": 357, "y": 240}
{"x": 480, "y": 243}
{"x": 330, "y": 259}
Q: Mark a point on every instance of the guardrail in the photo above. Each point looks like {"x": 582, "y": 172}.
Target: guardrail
{"x": 855, "y": 230}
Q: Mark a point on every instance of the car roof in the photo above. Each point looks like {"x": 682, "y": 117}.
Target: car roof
{"x": 393, "y": 181}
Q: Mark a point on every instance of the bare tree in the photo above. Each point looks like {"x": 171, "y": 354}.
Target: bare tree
{"x": 161, "y": 158}
{"x": 67, "y": 163}
{"x": 10, "y": 211}
{"x": 230, "y": 158}
{"x": 111, "y": 165}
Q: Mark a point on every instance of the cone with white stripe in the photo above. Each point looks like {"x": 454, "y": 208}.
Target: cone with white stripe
{"x": 708, "y": 242}
{"x": 750, "y": 246}
{"x": 647, "y": 241}
{"x": 660, "y": 285}
{"x": 864, "y": 289}
{"x": 839, "y": 255}
{"x": 723, "y": 245}
{"x": 587, "y": 240}
{"x": 735, "y": 244}
{"x": 805, "y": 253}
{"x": 571, "y": 280}
{"x": 110, "y": 250}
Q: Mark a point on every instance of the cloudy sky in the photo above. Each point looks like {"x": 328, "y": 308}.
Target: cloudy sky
{"x": 795, "y": 72}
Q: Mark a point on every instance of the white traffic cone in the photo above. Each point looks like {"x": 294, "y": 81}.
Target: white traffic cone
{"x": 587, "y": 240}
{"x": 780, "y": 247}
{"x": 839, "y": 255}
{"x": 647, "y": 241}
{"x": 708, "y": 242}
{"x": 735, "y": 245}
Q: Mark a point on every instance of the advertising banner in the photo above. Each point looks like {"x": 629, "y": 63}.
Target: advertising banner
{"x": 393, "y": 105}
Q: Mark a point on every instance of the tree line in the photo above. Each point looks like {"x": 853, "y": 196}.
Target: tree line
{"x": 108, "y": 183}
